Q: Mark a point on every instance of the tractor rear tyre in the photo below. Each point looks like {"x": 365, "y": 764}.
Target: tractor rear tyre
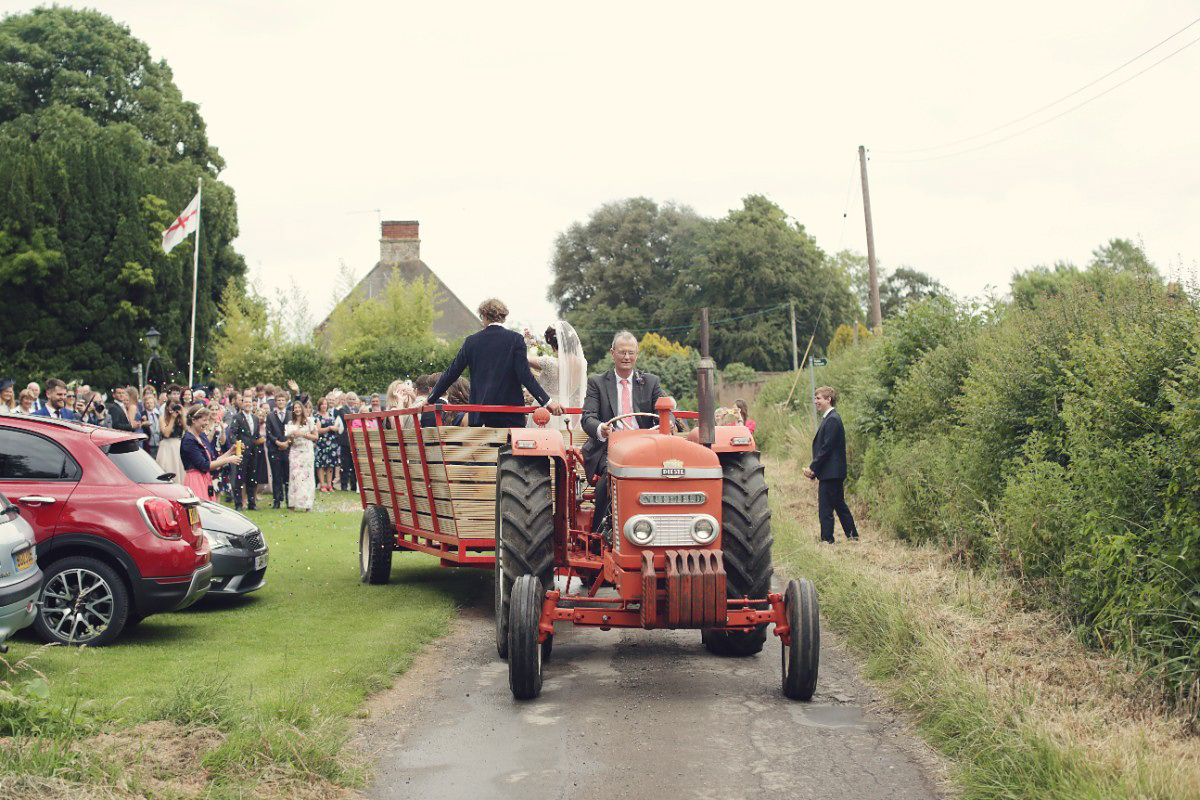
{"x": 525, "y": 653}
{"x": 524, "y": 531}
{"x": 375, "y": 543}
{"x": 746, "y": 544}
{"x": 802, "y": 655}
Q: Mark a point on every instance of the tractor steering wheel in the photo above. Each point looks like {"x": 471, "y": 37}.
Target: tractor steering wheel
{"x": 631, "y": 414}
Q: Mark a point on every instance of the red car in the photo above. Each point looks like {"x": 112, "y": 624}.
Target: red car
{"x": 116, "y": 539}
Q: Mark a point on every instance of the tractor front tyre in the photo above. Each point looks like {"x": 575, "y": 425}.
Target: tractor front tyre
{"x": 746, "y": 547}
{"x": 525, "y": 653}
{"x": 801, "y": 656}
{"x": 524, "y": 531}
{"x": 375, "y": 543}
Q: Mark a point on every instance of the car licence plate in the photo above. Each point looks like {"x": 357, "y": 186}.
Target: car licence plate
{"x": 194, "y": 516}
{"x": 260, "y": 561}
{"x": 24, "y": 559}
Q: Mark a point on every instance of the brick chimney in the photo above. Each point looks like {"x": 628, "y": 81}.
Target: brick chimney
{"x": 401, "y": 241}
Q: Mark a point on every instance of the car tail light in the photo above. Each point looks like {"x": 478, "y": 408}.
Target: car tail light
{"x": 167, "y": 520}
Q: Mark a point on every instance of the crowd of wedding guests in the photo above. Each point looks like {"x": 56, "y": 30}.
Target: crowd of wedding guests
{"x": 235, "y": 444}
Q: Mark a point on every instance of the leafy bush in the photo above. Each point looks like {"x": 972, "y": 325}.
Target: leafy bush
{"x": 370, "y": 365}
{"x": 655, "y": 344}
{"x": 737, "y": 372}
{"x": 1057, "y": 436}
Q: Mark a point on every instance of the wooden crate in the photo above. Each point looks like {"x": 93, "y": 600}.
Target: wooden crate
{"x": 461, "y": 465}
{"x": 461, "y": 486}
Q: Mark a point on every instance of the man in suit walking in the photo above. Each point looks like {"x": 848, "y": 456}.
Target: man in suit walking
{"x": 244, "y": 428}
{"x": 621, "y": 390}
{"x": 499, "y": 368}
{"x": 828, "y": 467}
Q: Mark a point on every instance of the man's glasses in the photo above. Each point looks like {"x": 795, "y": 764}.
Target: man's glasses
{"x": 625, "y": 353}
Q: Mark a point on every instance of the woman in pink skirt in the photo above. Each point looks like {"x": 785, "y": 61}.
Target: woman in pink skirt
{"x": 193, "y": 450}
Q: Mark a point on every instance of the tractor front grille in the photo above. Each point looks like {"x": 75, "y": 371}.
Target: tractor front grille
{"x": 672, "y": 530}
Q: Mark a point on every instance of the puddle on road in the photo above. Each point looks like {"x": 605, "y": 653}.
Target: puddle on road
{"x": 821, "y": 716}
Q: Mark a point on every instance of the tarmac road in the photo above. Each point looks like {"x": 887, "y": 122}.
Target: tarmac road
{"x": 636, "y": 714}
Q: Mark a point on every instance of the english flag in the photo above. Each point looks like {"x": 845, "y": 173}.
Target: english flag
{"x": 185, "y": 223}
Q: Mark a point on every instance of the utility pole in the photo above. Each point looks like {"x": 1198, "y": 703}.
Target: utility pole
{"x": 795, "y": 349}
{"x": 876, "y": 312}
{"x": 812, "y": 379}
{"x": 704, "y": 386}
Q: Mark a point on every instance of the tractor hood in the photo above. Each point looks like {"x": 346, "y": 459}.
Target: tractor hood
{"x": 648, "y": 454}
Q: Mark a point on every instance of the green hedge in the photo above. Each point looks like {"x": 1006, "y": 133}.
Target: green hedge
{"x": 1057, "y": 437}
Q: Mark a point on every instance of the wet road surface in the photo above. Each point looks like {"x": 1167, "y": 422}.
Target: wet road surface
{"x": 635, "y": 714}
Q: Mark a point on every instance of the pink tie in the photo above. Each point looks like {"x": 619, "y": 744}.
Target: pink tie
{"x": 627, "y": 404}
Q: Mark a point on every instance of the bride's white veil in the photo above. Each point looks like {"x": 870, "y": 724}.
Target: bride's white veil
{"x": 572, "y": 369}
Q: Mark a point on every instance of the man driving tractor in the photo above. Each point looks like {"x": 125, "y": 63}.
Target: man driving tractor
{"x": 621, "y": 390}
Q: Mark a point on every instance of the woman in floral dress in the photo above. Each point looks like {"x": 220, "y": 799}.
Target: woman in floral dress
{"x": 302, "y": 433}
{"x": 328, "y": 451}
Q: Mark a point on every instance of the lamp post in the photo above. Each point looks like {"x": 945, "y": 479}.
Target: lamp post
{"x": 152, "y": 338}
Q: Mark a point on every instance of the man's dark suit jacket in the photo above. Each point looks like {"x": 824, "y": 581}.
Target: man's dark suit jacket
{"x": 120, "y": 420}
{"x": 829, "y": 448}
{"x": 602, "y": 403}
{"x": 242, "y": 431}
{"x": 276, "y": 432}
{"x": 343, "y": 438}
{"x": 499, "y": 368}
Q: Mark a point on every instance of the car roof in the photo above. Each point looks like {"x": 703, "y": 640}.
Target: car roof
{"x": 100, "y": 435}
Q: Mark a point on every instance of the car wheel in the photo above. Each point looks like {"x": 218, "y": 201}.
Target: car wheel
{"x": 84, "y": 601}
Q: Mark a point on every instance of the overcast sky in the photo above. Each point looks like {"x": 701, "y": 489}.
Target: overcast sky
{"x": 497, "y": 125}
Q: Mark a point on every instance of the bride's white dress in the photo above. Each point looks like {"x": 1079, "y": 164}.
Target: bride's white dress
{"x": 564, "y": 375}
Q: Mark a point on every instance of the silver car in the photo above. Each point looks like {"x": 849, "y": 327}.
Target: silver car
{"x": 20, "y": 577}
{"x": 239, "y": 552}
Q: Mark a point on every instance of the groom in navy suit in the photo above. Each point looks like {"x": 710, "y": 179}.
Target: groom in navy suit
{"x": 828, "y": 467}
{"x": 499, "y": 368}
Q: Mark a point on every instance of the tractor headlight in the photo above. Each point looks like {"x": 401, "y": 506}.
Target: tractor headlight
{"x": 704, "y": 529}
{"x": 639, "y": 530}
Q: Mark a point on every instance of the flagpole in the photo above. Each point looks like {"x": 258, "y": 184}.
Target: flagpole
{"x": 195, "y": 282}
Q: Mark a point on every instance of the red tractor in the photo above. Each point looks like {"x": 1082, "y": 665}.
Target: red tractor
{"x": 689, "y": 545}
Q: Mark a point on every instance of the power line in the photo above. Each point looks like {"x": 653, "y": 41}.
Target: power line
{"x": 1047, "y": 106}
{"x": 1051, "y": 119}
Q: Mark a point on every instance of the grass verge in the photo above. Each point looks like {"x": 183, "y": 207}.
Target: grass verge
{"x": 1004, "y": 691}
{"x": 235, "y": 697}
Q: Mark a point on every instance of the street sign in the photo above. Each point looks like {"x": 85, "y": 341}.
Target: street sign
{"x": 818, "y": 362}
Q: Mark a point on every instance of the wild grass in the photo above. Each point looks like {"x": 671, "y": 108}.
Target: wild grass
{"x": 1005, "y": 691}
{"x": 252, "y": 693}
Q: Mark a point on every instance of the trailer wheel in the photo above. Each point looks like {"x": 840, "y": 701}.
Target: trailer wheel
{"x": 746, "y": 544}
{"x": 524, "y": 531}
{"x": 375, "y": 543}
{"x": 525, "y": 654}
{"x": 801, "y": 656}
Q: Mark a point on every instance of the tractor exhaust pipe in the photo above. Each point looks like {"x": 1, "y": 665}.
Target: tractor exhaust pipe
{"x": 704, "y": 386}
